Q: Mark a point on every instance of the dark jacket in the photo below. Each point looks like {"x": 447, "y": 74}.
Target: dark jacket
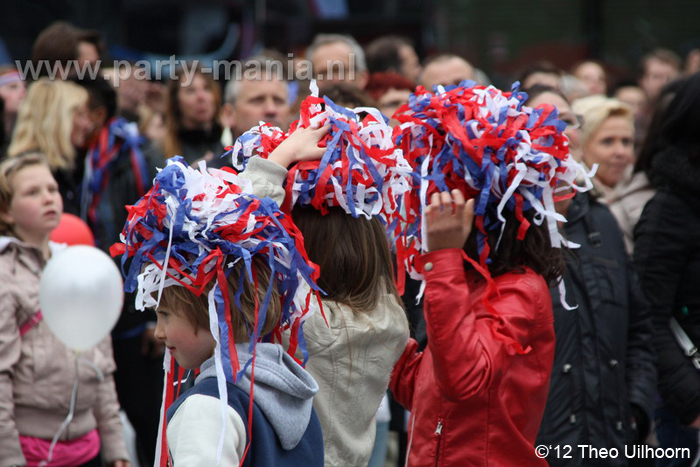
{"x": 196, "y": 144}
{"x": 667, "y": 254}
{"x": 603, "y": 370}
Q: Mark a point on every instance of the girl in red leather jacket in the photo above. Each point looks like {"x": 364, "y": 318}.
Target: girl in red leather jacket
{"x": 478, "y": 391}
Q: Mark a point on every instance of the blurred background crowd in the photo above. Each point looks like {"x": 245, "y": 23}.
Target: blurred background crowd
{"x": 614, "y": 70}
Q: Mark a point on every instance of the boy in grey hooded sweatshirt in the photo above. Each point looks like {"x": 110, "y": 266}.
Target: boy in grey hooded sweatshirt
{"x": 235, "y": 273}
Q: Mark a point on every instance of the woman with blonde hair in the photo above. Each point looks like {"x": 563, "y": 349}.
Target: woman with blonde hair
{"x": 53, "y": 120}
{"x": 607, "y": 139}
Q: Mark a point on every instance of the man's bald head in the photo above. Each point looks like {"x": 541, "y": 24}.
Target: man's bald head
{"x": 446, "y": 69}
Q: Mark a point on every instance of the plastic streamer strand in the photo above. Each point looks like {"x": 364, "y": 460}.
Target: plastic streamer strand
{"x": 361, "y": 171}
{"x": 495, "y": 150}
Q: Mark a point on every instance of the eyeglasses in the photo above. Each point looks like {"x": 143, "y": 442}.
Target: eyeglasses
{"x": 573, "y": 121}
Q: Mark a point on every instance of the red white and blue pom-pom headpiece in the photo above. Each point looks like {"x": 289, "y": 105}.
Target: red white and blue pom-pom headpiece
{"x": 493, "y": 148}
{"x": 190, "y": 230}
{"x": 361, "y": 171}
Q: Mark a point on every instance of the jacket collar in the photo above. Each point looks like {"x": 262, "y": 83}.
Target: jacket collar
{"x": 201, "y": 136}
{"x": 579, "y": 207}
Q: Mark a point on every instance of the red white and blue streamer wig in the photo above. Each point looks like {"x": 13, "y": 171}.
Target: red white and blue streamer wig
{"x": 494, "y": 149}
{"x": 361, "y": 171}
{"x": 190, "y": 230}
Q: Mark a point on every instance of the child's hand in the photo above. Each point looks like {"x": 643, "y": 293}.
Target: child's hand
{"x": 302, "y": 145}
{"x": 448, "y": 220}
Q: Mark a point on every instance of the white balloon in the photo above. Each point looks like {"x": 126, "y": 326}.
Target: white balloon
{"x": 81, "y": 296}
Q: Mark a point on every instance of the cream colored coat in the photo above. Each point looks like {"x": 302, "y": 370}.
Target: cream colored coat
{"x": 351, "y": 357}
{"x": 37, "y": 371}
{"x": 626, "y": 202}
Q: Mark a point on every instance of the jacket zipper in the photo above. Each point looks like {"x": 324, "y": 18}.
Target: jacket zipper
{"x": 438, "y": 434}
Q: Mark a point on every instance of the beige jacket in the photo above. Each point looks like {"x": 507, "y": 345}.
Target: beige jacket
{"x": 37, "y": 371}
{"x": 627, "y": 204}
{"x": 351, "y": 357}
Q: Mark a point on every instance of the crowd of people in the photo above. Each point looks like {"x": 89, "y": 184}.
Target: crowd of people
{"x": 484, "y": 343}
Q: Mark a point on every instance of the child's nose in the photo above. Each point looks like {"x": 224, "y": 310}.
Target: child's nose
{"x": 159, "y": 332}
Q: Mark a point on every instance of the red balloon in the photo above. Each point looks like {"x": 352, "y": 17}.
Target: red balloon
{"x": 73, "y": 231}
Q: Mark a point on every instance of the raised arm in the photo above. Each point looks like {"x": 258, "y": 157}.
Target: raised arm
{"x": 268, "y": 175}
{"x": 467, "y": 354}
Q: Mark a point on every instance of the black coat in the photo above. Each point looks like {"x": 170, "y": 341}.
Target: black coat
{"x": 667, "y": 254}
{"x": 603, "y": 372}
{"x": 197, "y": 144}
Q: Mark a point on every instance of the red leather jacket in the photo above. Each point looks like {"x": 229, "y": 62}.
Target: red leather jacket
{"x": 474, "y": 400}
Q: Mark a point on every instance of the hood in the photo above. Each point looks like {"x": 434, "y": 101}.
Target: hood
{"x": 284, "y": 391}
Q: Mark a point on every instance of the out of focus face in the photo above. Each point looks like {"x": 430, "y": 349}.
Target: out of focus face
{"x": 260, "y": 100}
{"x": 572, "y": 130}
{"x": 544, "y": 78}
{"x": 611, "y": 147}
{"x": 334, "y": 63}
{"x": 82, "y": 126}
{"x": 634, "y": 97}
{"x": 87, "y": 52}
{"x": 410, "y": 65}
{"x": 13, "y": 94}
{"x": 196, "y": 103}
{"x": 592, "y": 76}
{"x": 656, "y": 75}
{"x": 391, "y": 100}
{"x": 451, "y": 71}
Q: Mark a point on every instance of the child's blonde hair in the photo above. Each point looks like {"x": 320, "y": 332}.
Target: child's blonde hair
{"x": 45, "y": 121}
{"x": 8, "y": 169}
{"x": 195, "y": 308}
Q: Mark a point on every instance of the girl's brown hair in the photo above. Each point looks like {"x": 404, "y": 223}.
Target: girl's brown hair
{"x": 353, "y": 254}
{"x": 172, "y": 145}
{"x": 8, "y": 169}
{"x": 195, "y": 308}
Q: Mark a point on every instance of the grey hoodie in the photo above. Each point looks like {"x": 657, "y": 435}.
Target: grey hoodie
{"x": 284, "y": 391}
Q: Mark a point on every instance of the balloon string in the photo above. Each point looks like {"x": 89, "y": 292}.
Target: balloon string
{"x": 100, "y": 375}
{"x": 68, "y": 419}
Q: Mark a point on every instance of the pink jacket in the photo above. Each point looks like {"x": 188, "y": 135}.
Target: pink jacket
{"x": 37, "y": 370}
{"x": 474, "y": 400}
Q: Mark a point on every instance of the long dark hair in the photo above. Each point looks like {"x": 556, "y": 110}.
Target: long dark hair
{"x": 654, "y": 142}
{"x": 681, "y": 120}
{"x": 535, "y": 251}
{"x": 172, "y": 144}
{"x": 353, "y": 254}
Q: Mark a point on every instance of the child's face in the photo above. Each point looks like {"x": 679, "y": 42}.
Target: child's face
{"x": 188, "y": 345}
{"x": 36, "y": 205}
